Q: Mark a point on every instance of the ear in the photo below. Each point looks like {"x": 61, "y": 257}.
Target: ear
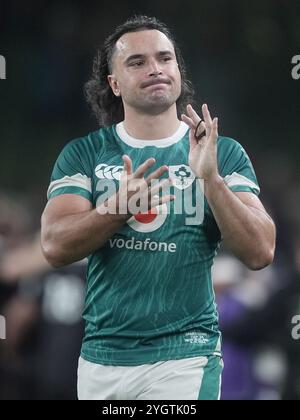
{"x": 113, "y": 83}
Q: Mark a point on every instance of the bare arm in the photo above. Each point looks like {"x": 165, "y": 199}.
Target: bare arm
{"x": 246, "y": 227}
{"x": 72, "y": 229}
{"x": 244, "y": 223}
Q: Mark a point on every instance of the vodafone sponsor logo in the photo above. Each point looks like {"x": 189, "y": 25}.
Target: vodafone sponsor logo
{"x": 145, "y": 245}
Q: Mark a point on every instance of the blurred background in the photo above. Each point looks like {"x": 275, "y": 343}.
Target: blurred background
{"x": 238, "y": 55}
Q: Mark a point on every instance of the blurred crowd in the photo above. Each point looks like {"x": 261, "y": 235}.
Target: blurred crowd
{"x": 239, "y": 57}
{"x": 42, "y": 308}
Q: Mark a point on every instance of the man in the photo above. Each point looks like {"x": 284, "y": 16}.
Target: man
{"x": 151, "y": 322}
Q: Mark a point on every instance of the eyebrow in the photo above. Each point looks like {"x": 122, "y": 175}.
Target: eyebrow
{"x": 139, "y": 56}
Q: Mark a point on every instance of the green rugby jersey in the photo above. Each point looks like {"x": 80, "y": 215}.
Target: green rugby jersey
{"x": 149, "y": 289}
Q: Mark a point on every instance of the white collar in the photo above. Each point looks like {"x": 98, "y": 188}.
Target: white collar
{"x": 140, "y": 144}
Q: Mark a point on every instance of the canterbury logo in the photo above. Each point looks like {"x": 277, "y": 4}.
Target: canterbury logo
{"x": 104, "y": 171}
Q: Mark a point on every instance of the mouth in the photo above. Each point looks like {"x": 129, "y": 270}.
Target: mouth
{"x": 158, "y": 84}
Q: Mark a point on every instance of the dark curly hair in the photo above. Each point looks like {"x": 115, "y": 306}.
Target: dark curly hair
{"x": 108, "y": 108}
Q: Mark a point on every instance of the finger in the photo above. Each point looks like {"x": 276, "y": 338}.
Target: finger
{"x": 187, "y": 120}
{"x": 127, "y": 164}
{"x": 137, "y": 184}
{"x": 214, "y": 130}
{"x": 142, "y": 169}
{"x": 206, "y": 114}
{"x": 155, "y": 187}
{"x": 207, "y": 117}
{"x": 200, "y": 129}
{"x": 162, "y": 200}
{"x": 193, "y": 114}
{"x": 157, "y": 174}
{"x": 165, "y": 199}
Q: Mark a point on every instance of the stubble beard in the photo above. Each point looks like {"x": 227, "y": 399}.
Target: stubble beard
{"x": 154, "y": 104}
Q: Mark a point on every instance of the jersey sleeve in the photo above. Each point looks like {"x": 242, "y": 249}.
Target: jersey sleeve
{"x": 72, "y": 172}
{"x": 236, "y": 168}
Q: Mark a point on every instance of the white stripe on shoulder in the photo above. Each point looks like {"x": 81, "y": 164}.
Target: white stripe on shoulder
{"x": 78, "y": 180}
{"x": 239, "y": 180}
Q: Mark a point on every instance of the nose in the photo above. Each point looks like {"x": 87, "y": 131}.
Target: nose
{"x": 154, "y": 68}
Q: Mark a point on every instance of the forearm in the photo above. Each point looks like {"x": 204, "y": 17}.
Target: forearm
{"x": 248, "y": 232}
{"x": 71, "y": 230}
{"x": 74, "y": 237}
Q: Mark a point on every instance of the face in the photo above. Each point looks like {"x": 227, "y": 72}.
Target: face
{"x": 145, "y": 72}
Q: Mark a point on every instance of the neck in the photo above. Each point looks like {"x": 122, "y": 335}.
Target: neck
{"x": 151, "y": 127}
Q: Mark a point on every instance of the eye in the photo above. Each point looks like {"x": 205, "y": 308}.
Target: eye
{"x": 165, "y": 59}
{"x": 136, "y": 63}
